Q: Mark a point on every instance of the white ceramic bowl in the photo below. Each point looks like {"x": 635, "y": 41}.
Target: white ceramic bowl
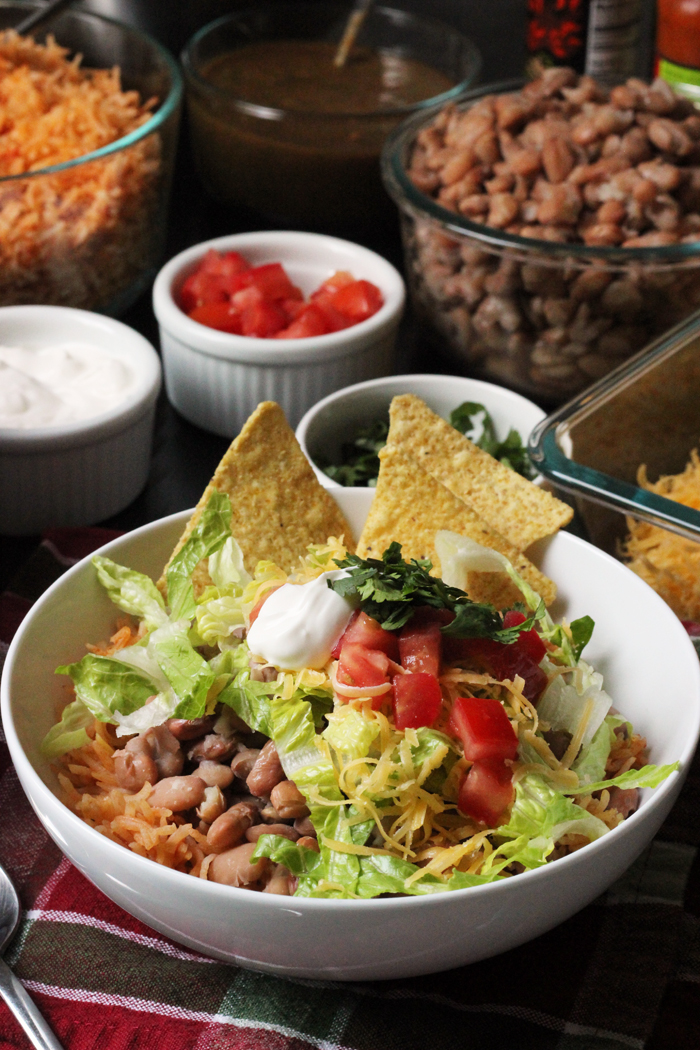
{"x": 651, "y": 670}
{"x": 77, "y": 473}
{"x": 337, "y": 418}
{"x": 215, "y": 379}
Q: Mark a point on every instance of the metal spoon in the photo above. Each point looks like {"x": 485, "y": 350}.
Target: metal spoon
{"x": 22, "y": 1006}
{"x": 352, "y": 28}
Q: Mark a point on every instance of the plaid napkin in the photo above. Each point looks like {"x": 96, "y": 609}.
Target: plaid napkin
{"x": 624, "y": 973}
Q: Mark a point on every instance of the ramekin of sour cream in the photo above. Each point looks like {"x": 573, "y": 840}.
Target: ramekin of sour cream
{"x": 77, "y": 405}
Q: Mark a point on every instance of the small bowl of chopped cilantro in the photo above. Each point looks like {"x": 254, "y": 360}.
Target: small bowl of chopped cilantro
{"x": 343, "y": 434}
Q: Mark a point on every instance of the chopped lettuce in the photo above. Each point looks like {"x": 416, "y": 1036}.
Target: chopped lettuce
{"x": 590, "y": 763}
{"x": 540, "y": 816}
{"x": 226, "y": 567}
{"x": 107, "y": 686}
{"x": 70, "y": 732}
{"x": 208, "y": 536}
{"x": 646, "y": 777}
{"x": 188, "y": 673}
{"x": 563, "y": 702}
{"x": 217, "y": 619}
{"x": 132, "y": 591}
{"x": 350, "y": 733}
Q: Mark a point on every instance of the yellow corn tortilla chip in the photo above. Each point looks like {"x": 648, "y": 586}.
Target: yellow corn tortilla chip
{"x": 510, "y": 504}
{"x": 410, "y": 506}
{"x": 278, "y": 505}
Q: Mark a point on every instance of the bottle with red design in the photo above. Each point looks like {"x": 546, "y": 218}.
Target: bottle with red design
{"x": 598, "y": 37}
{"x": 678, "y": 45}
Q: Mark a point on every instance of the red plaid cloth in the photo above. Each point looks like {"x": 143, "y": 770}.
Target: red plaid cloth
{"x": 624, "y": 973}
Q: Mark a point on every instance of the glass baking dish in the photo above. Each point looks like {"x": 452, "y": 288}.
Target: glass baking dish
{"x": 647, "y": 411}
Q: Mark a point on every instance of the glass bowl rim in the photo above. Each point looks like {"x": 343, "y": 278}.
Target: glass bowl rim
{"x": 164, "y": 111}
{"x": 407, "y": 197}
{"x": 275, "y": 113}
{"x": 596, "y": 486}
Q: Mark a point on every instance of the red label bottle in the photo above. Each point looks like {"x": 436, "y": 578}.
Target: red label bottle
{"x": 678, "y": 45}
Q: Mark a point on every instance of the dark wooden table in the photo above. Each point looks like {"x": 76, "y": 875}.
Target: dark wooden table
{"x": 184, "y": 456}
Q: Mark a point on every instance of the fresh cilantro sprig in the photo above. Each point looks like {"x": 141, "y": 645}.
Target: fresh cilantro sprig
{"x": 474, "y": 421}
{"x": 390, "y": 589}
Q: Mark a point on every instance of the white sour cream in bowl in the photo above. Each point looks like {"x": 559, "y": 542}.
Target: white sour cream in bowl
{"x": 58, "y": 384}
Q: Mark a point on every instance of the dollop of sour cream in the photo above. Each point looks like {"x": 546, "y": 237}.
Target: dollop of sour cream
{"x": 64, "y": 383}
{"x": 299, "y": 624}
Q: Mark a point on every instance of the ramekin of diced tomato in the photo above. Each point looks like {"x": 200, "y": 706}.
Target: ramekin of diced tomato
{"x": 282, "y": 316}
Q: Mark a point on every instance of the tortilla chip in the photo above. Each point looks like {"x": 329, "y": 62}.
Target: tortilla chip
{"x": 410, "y": 506}
{"x": 514, "y": 507}
{"x": 278, "y": 505}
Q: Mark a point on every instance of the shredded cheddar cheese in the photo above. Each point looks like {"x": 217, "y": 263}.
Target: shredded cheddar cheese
{"x": 667, "y": 562}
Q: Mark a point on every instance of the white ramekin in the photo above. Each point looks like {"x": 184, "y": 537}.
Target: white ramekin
{"x": 215, "y": 379}
{"x": 337, "y": 418}
{"x": 77, "y": 473}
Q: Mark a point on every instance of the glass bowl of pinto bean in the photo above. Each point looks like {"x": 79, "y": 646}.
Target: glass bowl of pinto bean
{"x": 551, "y": 230}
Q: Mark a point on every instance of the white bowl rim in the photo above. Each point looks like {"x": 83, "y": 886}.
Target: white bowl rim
{"x": 428, "y": 379}
{"x": 217, "y": 891}
{"x": 148, "y": 378}
{"x": 252, "y": 350}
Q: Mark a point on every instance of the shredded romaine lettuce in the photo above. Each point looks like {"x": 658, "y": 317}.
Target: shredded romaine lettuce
{"x": 132, "y": 591}
{"x": 208, "y": 536}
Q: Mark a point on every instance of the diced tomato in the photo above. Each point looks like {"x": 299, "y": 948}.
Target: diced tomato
{"x": 338, "y": 280}
{"x": 417, "y": 700}
{"x": 255, "y": 611}
{"x": 292, "y": 308}
{"x": 484, "y": 729}
{"x": 363, "y": 630}
{"x": 486, "y": 792}
{"x": 263, "y": 320}
{"x": 362, "y": 667}
{"x": 224, "y": 264}
{"x": 501, "y": 661}
{"x": 272, "y": 280}
{"x": 529, "y": 641}
{"x": 338, "y": 303}
{"x": 200, "y": 289}
{"x": 218, "y": 315}
{"x": 420, "y": 647}
{"x": 358, "y": 300}
{"x": 311, "y": 321}
{"x": 334, "y": 318}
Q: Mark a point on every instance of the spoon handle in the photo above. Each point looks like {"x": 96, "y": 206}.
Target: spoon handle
{"x": 26, "y": 1012}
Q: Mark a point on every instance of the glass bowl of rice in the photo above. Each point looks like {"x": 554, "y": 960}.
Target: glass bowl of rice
{"x": 89, "y": 120}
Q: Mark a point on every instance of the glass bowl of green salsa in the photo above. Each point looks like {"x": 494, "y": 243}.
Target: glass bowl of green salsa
{"x": 278, "y": 127}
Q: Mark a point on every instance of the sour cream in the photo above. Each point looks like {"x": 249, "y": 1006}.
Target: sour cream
{"x": 64, "y": 383}
{"x": 299, "y": 624}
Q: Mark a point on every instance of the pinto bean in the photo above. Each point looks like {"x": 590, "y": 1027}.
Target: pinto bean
{"x": 242, "y": 763}
{"x": 177, "y": 793}
{"x": 230, "y": 827}
{"x": 309, "y": 842}
{"x": 165, "y": 751}
{"x": 288, "y": 800}
{"x": 304, "y": 826}
{"x": 212, "y": 806}
{"x": 213, "y": 748}
{"x": 134, "y": 770}
{"x": 266, "y": 772}
{"x": 670, "y": 137}
{"x": 234, "y": 867}
{"x": 254, "y": 833}
{"x": 557, "y": 159}
{"x": 214, "y": 774}
{"x": 190, "y": 728}
{"x": 280, "y": 881}
{"x": 624, "y": 800}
